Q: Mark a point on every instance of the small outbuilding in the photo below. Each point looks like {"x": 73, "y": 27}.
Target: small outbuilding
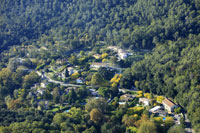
{"x": 144, "y": 101}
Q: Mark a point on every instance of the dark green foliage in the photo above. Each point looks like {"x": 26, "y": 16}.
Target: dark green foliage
{"x": 66, "y": 73}
{"x": 110, "y": 127}
{"x": 99, "y": 104}
{"x": 9, "y": 81}
{"x": 147, "y": 127}
{"x": 56, "y": 94}
{"x": 176, "y": 129}
{"x": 170, "y": 28}
{"x": 173, "y": 70}
{"x": 133, "y": 24}
{"x": 7, "y": 116}
{"x": 104, "y": 92}
{"x": 30, "y": 79}
{"x": 72, "y": 97}
{"x": 106, "y": 73}
{"x": 127, "y": 79}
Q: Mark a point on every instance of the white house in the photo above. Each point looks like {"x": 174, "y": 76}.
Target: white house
{"x": 44, "y": 84}
{"x": 41, "y": 91}
{"x": 144, "y": 101}
{"x": 94, "y": 92}
{"x": 154, "y": 109}
{"x": 127, "y": 97}
{"x": 70, "y": 70}
{"x": 97, "y": 56}
{"x": 79, "y": 81}
{"x": 169, "y": 105}
{"x": 98, "y": 65}
{"x": 122, "y": 54}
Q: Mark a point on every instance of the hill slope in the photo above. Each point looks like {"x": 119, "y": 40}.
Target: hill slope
{"x": 173, "y": 70}
{"x": 131, "y": 24}
{"x": 169, "y": 27}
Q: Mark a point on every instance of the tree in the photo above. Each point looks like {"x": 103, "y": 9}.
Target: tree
{"x": 112, "y": 127}
{"x": 12, "y": 64}
{"x": 114, "y": 59}
{"x": 115, "y": 80}
{"x": 147, "y": 127}
{"x": 6, "y": 80}
{"x": 81, "y": 53}
{"x": 3, "y": 92}
{"x": 151, "y": 95}
{"x": 127, "y": 79}
{"x": 17, "y": 78}
{"x": 177, "y": 110}
{"x": 73, "y": 59}
{"x": 99, "y": 104}
{"x": 142, "y": 119}
{"x": 114, "y": 91}
{"x": 182, "y": 122}
{"x": 74, "y": 75}
{"x": 5, "y": 129}
{"x": 105, "y": 73}
{"x": 90, "y": 130}
{"x": 169, "y": 122}
{"x": 176, "y": 129}
{"x": 96, "y": 116}
{"x": 56, "y": 95}
{"x": 66, "y": 73}
{"x": 58, "y": 118}
{"x": 30, "y": 79}
{"x": 128, "y": 120}
{"x": 82, "y": 93}
{"x": 15, "y": 104}
{"x": 72, "y": 97}
{"x": 97, "y": 79}
{"x": 103, "y": 91}
{"x": 76, "y": 113}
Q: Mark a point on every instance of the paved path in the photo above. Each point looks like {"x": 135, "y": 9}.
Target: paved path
{"x": 61, "y": 83}
{"x": 188, "y": 128}
{"x": 58, "y": 82}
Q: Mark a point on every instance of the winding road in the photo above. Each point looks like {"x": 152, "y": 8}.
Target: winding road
{"x": 58, "y": 82}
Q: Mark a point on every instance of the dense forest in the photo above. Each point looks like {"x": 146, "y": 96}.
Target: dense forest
{"x": 173, "y": 70}
{"x": 42, "y": 31}
{"x": 130, "y": 24}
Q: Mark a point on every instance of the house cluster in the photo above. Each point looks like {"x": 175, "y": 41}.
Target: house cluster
{"x": 59, "y": 71}
{"x": 38, "y": 89}
{"x": 158, "y": 111}
{"x": 165, "y": 108}
{"x": 97, "y": 65}
{"x": 122, "y": 54}
{"x": 166, "y": 105}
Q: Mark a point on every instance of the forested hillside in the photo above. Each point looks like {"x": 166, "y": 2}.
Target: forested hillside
{"x": 173, "y": 70}
{"x": 62, "y": 41}
{"x": 131, "y": 24}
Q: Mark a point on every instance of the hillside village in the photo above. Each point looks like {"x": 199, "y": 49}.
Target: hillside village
{"x": 73, "y": 81}
{"x": 69, "y": 75}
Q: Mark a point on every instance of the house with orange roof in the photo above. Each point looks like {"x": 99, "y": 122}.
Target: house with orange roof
{"x": 169, "y": 105}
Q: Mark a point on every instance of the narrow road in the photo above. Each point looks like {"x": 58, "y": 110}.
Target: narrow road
{"x": 58, "y": 82}
{"x": 188, "y": 128}
{"x": 61, "y": 83}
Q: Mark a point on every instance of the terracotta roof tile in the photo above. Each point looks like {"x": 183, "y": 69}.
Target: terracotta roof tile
{"x": 168, "y": 102}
